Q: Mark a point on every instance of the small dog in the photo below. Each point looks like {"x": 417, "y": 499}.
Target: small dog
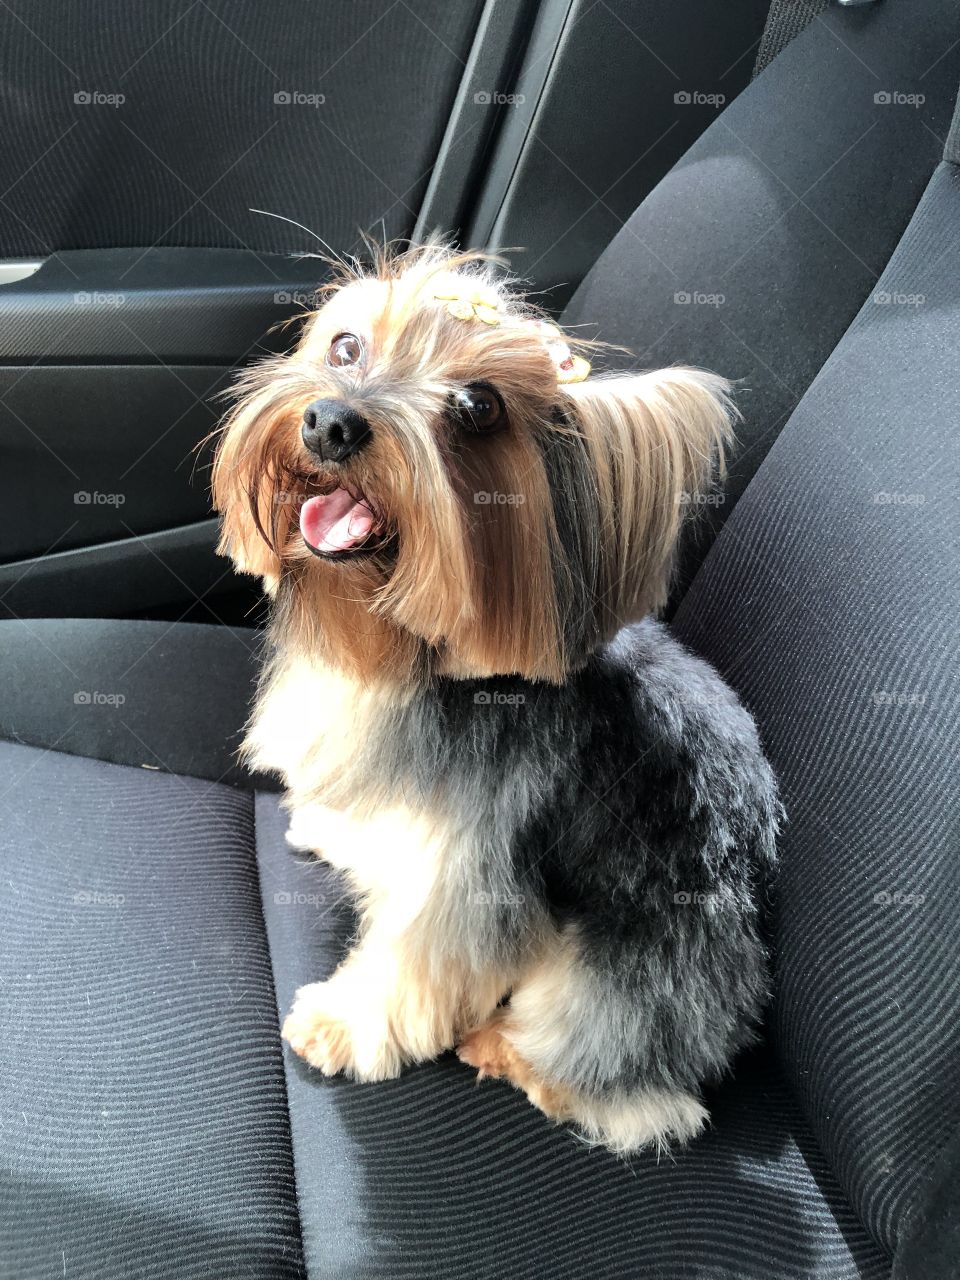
{"x": 557, "y": 827}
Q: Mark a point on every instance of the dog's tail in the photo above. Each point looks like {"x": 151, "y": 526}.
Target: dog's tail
{"x": 628, "y": 1122}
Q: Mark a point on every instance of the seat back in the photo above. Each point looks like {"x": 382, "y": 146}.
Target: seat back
{"x": 755, "y": 253}
{"x": 830, "y": 601}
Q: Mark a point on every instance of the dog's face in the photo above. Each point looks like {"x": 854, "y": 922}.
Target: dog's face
{"x": 426, "y": 483}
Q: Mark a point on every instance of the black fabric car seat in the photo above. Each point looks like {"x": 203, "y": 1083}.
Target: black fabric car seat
{"x": 754, "y": 254}
{"x": 153, "y": 922}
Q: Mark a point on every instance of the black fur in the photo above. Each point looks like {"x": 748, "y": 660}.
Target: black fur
{"x": 632, "y": 802}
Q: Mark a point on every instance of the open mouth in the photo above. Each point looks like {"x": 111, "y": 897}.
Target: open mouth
{"x": 340, "y": 525}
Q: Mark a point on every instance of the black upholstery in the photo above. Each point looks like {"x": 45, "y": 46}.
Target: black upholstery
{"x": 202, "y": 135}
{"x": 149, "y": 694}
{"x": 929, "y": 1243}
{"x": 789, "y": 223}
{"x": 831, "y": 602}
{"x": 151, "y": 925}
{"x": 785, "y": 20}
{"x": 143, "y": 1118}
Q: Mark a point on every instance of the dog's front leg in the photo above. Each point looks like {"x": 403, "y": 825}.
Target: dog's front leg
{"x": 405, "y": 993}
{"x": 379, "y": 1011}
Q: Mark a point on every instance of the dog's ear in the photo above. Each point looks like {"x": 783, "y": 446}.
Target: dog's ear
{"x": 641, "y": 452}
{"x": 256, "y": 513}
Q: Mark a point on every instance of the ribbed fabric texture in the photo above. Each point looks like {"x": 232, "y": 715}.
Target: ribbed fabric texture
{"x": 786, "y": 19}
{"x": 831, "y": 602}
{"x": 144, "y": 1124}
{"x": 432, "y": 1176}
{"x": 364, "y": 91}
{"x": 143, "y": 1117}
{"x": 755, "y": 253}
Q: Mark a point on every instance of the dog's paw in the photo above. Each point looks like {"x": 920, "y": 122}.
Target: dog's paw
{"x": 318, "y": 1037}
{"x": 488, "y": 1051}
{"x": 333, "y": 1028}
{"x": 301, "y": 833}
{"x": 494, "y": 1057}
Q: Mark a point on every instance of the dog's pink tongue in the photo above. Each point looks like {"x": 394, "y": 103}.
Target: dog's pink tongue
{"x": 335, "y": 521}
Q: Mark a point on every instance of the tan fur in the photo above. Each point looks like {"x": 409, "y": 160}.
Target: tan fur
{"x": 311, "y": 721}
{"x": 472, "y": 588}
{"x": 488, "y": 1049}
{"x": 385, "y": 1007}
{"x": 401, "y": 995}
{"x": 656, "y": 440}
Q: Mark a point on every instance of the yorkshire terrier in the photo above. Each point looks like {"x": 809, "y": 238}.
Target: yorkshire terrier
{"x": 556, "y": 822}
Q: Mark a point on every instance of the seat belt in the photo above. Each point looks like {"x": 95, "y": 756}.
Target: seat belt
{"x": 785, "y": 20}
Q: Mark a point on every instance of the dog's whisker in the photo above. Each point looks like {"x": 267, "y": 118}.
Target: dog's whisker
{"x": 266, "y": 213}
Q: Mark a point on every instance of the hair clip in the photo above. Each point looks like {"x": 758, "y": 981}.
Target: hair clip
{"x": 472, "y": 304}
{"x": 570, "y": 368}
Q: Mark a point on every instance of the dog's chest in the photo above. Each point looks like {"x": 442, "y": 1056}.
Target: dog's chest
{"x": 319, "y": 731}
{"x": 392, "y": 859}
{"x": 310, "y": 724}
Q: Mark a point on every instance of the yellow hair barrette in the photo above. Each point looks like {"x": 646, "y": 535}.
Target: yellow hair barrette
{"x": 472, "y": 304}
{"x": 483, "y": 303}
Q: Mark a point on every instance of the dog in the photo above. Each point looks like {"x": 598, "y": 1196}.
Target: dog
{"x": 557, "y": 824}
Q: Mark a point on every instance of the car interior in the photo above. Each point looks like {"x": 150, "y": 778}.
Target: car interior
{"x": 767, "y": 190}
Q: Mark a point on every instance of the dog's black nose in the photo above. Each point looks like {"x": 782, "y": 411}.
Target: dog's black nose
{"x": 332, "y": 431}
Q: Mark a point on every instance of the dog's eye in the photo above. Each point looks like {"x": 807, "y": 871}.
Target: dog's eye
{"x": 346, "y": 349}
{"x": 478, "y": 408}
